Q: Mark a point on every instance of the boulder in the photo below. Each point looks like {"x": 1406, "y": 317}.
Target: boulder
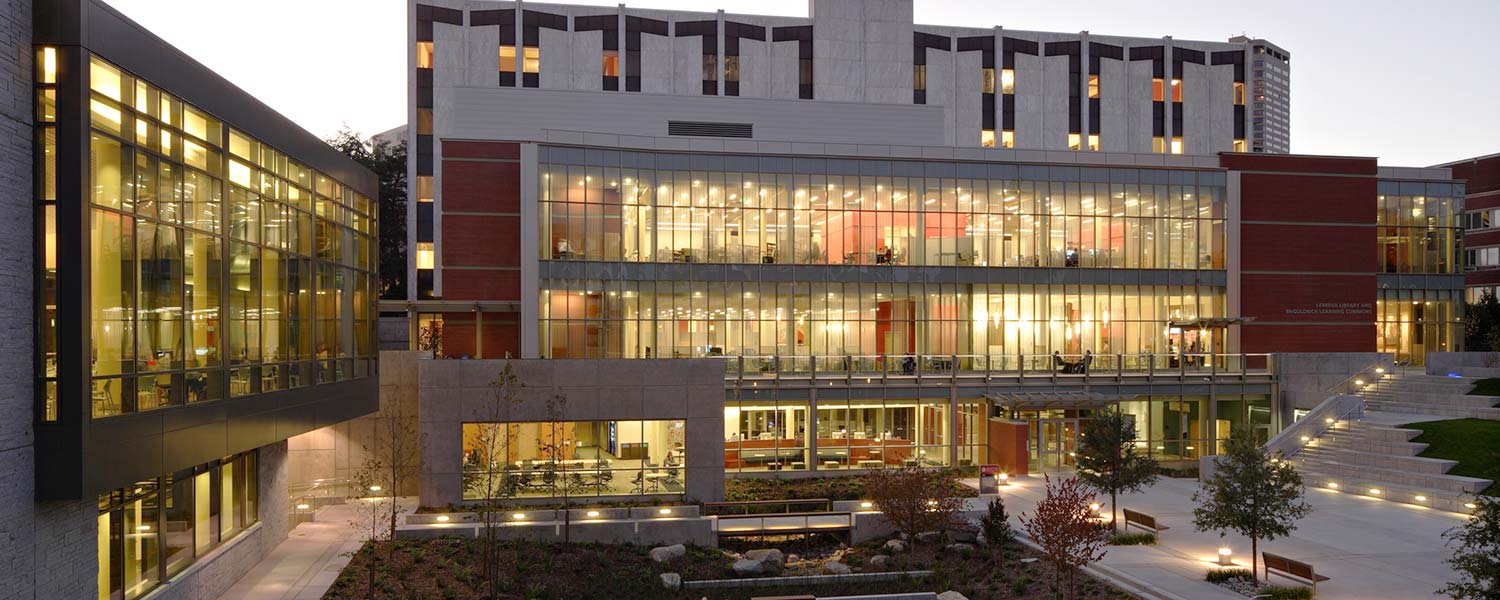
{"x": 929, "y": 537}
{"x": 745, "y": 567}
{"x": 835, "y": 568}
{"x": 959, "y": 548}
{"x": 770, "y": 556}
{"x": 880, "y": 561}
{"x": 663, "y": 554}
{"x": 951, "y": 595}
{"x": 671, "y": 581}
{"x": 895, "y": 546}
{"x": 791, "y": 558}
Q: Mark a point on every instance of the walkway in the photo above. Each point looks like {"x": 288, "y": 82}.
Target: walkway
{"x": 1372, "y": 549}
{"x": 305, "y": 565}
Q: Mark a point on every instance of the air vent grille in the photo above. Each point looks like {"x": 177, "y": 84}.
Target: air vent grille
{"x": 707, "y": 129}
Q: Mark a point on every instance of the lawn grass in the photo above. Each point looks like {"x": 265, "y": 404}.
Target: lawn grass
{"x": 1471, "y": 442}
{"x": 1486, "y": 387}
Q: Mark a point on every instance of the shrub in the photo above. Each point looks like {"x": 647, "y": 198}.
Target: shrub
{"x": 1223, "y": 575}
{"x": 996, "y": 524}
{"x": 1278, "y": 592}
{"x": 1132, "y": 539}
{"x": 915, "y": 500}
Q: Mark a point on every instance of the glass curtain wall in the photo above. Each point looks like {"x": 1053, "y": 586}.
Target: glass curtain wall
{"x": 220, "y": 266}
{"x": 154, "y": 529}
{"x": 851, "y": 433}
{"x": 664, "y": 319}
{"x": 1411, "y": 323}
{"x": 1175, "y": 430}
{"x": 1420, "y": 227}
{"x": 574, "y": 458}
{"x": 1158, "y": 220}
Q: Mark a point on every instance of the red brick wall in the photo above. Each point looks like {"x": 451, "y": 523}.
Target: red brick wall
{"x": 481, "y": 241}
{"x": 481, "y": 284}
{"x": 471, "y": 186}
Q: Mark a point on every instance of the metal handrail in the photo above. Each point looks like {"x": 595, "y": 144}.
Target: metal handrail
{"x": 1372, "y": 371}
{"x": 868, "y": 368}
{"x": 1318, "y": 421}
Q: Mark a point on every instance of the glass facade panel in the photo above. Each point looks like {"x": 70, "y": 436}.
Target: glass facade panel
{"x": 574, "y": 458}
{"x": 1411, "y": 323}
{"x": 1419, "y": 232}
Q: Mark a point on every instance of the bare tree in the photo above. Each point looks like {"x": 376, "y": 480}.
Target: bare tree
{"x": 370, "y": 510}
{"x": 430, "y": 339}
{"x": 485, "y": 478}
{"x": 1063, "y": 526}
{"x": 395, "y": 446}
{"x": 916, "y": 500}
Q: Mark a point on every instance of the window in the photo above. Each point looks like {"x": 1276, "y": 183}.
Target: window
{"x": 1093, "y": 86}
{"x": 710, "y": 67}
{"x": 987, "y": 138}
{"x": 1177, "y": 90}
{"x": 424, "y": 188}
{"x": 1007, "y": 139}
{"x": 1007, "y": 81}
{"x": 1239, "y": 93}
{"x": 1074, "y": 141}
{"x": 48, "y": 65}
{"x": 989, "y": 80}
{"x": 1156, "y": 90}
{"x": 424, "y": 255}
{"x": 574, "y": 458}
{"x": 1177, "y": 145}
{"x": 531, "y": 60}
{"x": 1158, "y": 145}
{"x": 919, "y": 78}
{"x": 1239, "y": 145}
{"x": 611, "y": 66}
{"x": 508, "y": 59}
{"x": 424, "y": 55}
{"x": 1094, "y": 142}
{"x": 731, "y": 68}
{"x": 424, "y": 121}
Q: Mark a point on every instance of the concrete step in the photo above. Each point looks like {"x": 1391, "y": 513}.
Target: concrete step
{"x": 1415, "y": 495}
{"x": 1425, "y": 409}
{"x": 1463, "y": 400}
{"x": 1453, "y": 484}
{"x": 1411, "y": 464}
{"x": 1365, "y": 432}
{"x": 1369, "y": 445}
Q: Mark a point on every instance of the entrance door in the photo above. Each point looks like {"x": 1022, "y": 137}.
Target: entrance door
{"x": 1054, "y": 443}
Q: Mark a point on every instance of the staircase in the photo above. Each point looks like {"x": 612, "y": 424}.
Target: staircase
{"x": 1373, "y": 456}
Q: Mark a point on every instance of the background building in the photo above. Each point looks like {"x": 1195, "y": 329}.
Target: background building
{"x": 192, "y": 285}
{"x": 1481, "y": 220}
{"x": 1270, "y": 96}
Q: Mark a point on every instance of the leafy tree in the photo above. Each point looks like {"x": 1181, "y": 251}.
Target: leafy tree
{"x": 1108, "y": 460}
{"x": 1250, "y": 495}
{"x": 916, "y": 500}
{"x": 1064, "y": 527}
{"x": 1482, "y": 324}
{"x": 995, "y": 525}
{"x": 1476, "y": 553}
{"x": 388, "y": 161}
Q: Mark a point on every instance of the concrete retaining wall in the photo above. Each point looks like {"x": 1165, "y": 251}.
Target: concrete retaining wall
{"x": 852, "y": 578}
{"x": 1304, "y": 378}
{"x": 1480, "y": 364}
{"x": 695, "y": 531}
{"x": 336, "y": 451}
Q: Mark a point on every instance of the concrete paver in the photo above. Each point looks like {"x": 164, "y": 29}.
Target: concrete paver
{"x": 306, "y": 564}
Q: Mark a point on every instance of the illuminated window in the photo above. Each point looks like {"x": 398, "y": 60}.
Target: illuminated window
{"x": 919, "y": 77}
{"x": 1239, "y": 146}
{"x": 105, "y": 79}
{"x": 1093, "y": 86}
{"x": 424, "y": 188}
{"x": 1156, "y": 90}
{"x": 531, "y": 60}
{"x": 1007, "y": 139}
{"x": 424, "y": 55}
{"x": 1007, "y": 81}
{"x": 508, "y": 59}
{"x": 1177, "y": 145}
{"x": 424, "y": 121}
{"x": 48, "y": 65}
{"x": 424, "y": 255}
{"x": 1158, "y": 145}
{"x": 1074, "y": 141}
{"x": 1094, "y": 142}
{"x": 731, "y": 68}
{"x": 1239, "y": 93}
{"x": 987, "y": 138}
{"x": 1177, "y": 90}
{"x": 611, "y": 67}
{"x": 989, "y": 80}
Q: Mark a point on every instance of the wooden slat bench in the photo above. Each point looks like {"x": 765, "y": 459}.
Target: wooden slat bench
{"x": 1294, "y": 570}
{"x": 1144, "y": 521}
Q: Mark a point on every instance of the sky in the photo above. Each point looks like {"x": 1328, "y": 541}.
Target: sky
{"x": 1414, "y": 83}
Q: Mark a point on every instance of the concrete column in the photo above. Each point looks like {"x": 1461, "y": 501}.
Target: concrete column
{"x": 622, "y": 52}
{"x": 953, "y": 424}
{"x": 1083, "y": 90}
{"x": 720, "y": 55}
{"x": 478, "y": 331}
{"x": 1232, "y": 260}
{"x": 530, "y": 265}
{"x": 1167, "y": 74}
{"x": 812, "y": 428}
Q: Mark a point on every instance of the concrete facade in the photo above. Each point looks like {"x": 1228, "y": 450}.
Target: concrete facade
{"x": 1306, "y": 379}
{"x": 337, "y": 451}
{"x": 453, "y": 392}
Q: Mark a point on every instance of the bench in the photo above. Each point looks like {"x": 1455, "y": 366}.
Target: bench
{"x": 1143, "y": 521}
{"x": 1294, "y": 570}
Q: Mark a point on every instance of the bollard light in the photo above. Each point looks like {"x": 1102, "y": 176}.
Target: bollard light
{"x": 1226, "y": 556}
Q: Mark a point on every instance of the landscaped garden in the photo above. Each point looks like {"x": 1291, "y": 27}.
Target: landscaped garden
{"x": 1471, "y": 442}
{"x": 848, "y": 487}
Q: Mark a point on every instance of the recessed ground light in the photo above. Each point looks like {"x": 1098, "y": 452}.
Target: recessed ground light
{"x": 1333, "y": 485}
{"x": 518, "y": 516}
{"x": 303, "y": 507}
{"x": 866, "y": 504}
{"x": 664, "y": 511}
{"x": 593, "y": 513}
{"x": 1374, "y": 491}
{"x": 1470, "y": 505}
{"x": 1421, "y": 498}
{"x": 442, "y": 518}
{"x": 1328, "y": 420}
{"x": 374, "y": 488}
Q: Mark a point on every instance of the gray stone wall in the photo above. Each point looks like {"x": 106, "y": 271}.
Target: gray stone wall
{"x": 455, "y": 391}
{"x": 336, "y": 451}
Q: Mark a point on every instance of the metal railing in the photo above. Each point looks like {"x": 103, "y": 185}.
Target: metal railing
{"x": 872, "y": 368}
{"x": 1325, "y": 416}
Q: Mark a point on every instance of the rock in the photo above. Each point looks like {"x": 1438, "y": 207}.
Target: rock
{"x": 951, "y": 595}
{"x": 770, "y": 556}
{"x": 835, "y": 568}
{"x": 671, "y": 581}
{"x": 1027, "y": 561}
{"x": 959, "y": 548}
{"x": 880, "y": 561}
{"x": 895, "y": 546}
{"x": 663, "y": 554}
{"x": 928, "y": 537}
{"x": 745, "y": 567}
{"x": 791, "y": 558}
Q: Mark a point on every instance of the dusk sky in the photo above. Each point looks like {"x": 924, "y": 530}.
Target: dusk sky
{"x": 1414, "y": 83}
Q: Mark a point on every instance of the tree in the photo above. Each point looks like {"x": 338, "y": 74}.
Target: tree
{"x": 430, "y": 338}
{"x": 485, "y": 476}
{"x": 1108, "y": 460}
{"x": 1250, "y": 494}
{"x": 1476, "y": 553}
{"x": 916, "y": 500}
{"x": 396, "y": 444}
{"x": 995, "y": 525}
{"x": 1482, "y": 324}
{"x": 388, "y": 161}
{"x": 369, "y": 512}
{"x": 1064, "y": 527}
